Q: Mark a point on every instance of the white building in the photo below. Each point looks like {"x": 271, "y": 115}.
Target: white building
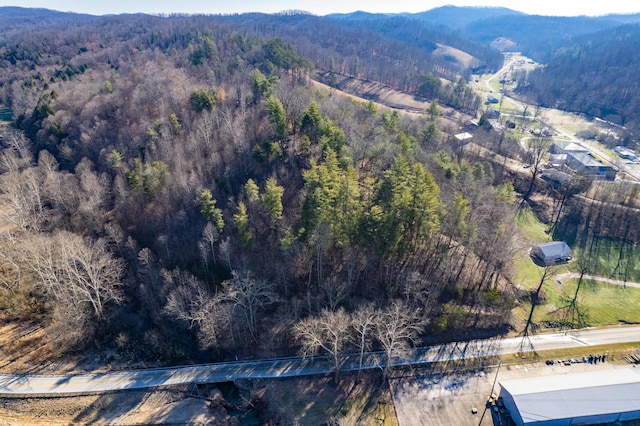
{"x": 626, "y": 153}
{"x": 603, "y": 396}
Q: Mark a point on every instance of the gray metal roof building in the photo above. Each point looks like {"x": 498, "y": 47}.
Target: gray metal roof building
{"x": 602, "y": 396}
{"x": 553, "y": 253}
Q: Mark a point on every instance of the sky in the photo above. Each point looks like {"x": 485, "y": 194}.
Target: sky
{"x": 323, "y": 7}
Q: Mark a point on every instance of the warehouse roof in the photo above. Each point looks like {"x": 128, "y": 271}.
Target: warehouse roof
{"x": 576, "y": 395}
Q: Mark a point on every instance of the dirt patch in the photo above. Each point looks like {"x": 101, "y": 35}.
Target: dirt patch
{"x": 451, "y": 54}
{"x": 25, "y": 347}
{"x": 321, "y": 400}
{"x": 159, "y": 407}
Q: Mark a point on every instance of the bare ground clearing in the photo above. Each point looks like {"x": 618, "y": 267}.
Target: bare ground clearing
{"x": 158, "y": 407}
{"x": 365, "y": 91}
{"x": 448, "y": 399}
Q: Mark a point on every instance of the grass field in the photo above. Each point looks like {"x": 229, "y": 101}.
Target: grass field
{"x": 530, "y": 227}
{"x": 607, "y": 262}
{"x": 597, "y": 303}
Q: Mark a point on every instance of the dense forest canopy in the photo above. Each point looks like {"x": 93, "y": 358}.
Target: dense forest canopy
{"x": 220, "y": 192}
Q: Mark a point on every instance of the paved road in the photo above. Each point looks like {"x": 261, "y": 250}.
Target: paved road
{"x": 594, "y": 147}
{"x": 297, "y": 366}
{"x": 573, "y": 275}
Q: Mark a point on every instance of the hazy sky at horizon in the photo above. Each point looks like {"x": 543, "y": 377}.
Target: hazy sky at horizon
{"x": 323, "y": 7}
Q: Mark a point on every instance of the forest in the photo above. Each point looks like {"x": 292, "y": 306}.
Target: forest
{"x": 181, "y": 173}
{"x": 177, "y": 189}
{"x": 594, "y": 75}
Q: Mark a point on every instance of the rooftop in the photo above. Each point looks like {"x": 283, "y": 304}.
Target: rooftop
{"x": 576, "y": 395}
{"x": 570, "y": 146}
{"x": 586, "y": 159}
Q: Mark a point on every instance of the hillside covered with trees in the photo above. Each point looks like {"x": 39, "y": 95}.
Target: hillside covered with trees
{"x": 587, "y": 62}
{"x": 171, "y": 174}
{"x": 595, "y": 75}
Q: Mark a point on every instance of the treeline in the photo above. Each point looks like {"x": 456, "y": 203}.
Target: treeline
{"x": 170, "y": 174}
{"x": 538, "y": 37}
{"x": 595, "y": 76}
{"x": 394, "y": 51}
{"x": 413, "y": 30}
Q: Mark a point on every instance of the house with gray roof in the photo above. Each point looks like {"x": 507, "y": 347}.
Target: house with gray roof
{"x": 553, "y": 253}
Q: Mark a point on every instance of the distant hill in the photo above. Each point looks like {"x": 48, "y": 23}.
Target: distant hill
{"x": 425, "y": 34}
{"x": 632, "y": 18}
{"x": 536, "y": 36}
{"x": 390, "y": 49}
{"x": 398, "y": 49}
{"x": 591, "y": 62}
{"x": 597, "y": 75}
{"x": 19, "y": 17}
{"x": 460, "y": 17}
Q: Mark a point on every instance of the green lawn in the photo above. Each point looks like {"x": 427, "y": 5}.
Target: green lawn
{"x": 607, "y": 261}
{"x": 600, "y": 303}
{"x": 530, "y": 226}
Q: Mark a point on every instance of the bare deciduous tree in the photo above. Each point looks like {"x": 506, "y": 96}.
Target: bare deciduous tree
{"x": 77, "y": 272}
{"x": 396, "y": 327}
{"x": 363, "y": 322}
{"x": 190, "y": 301}
{"x": 93, "y": 189}
{"x": 10, "y": 272}
{"x": 329, "y": 332}
{"x": 536, "y": 150}
{"x": 248, "y": 295}
{"x": 24, "y": 197}
{"x": 336, "y": 291}
{"x": 209, "y": 236}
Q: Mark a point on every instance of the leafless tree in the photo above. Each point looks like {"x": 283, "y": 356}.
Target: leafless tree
{"x": 363, "y": 322}
{"x": 547, "y": 273}
{"x": 396, "y": 328}
{"x": 190, "y": 301}
{"x": 536, "y": 151}
{"x": 76, "y": 271}
{"x": 573, "y": 312}
{"x": 10, "y": 271}
{"x": 249, "y": 296}
{"x": 329, "y": 333}
{"x": 93, "y": 190}
{"x": 20, "y": 144}
{"x": 336, "y": 291}
{"x": 225, "y": 251}
{"x": 24, "y": 197}
{"x": 210, "y": 236}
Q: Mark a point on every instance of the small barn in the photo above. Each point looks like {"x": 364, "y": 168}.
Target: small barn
{"x": 554, "y": 253}
{"x": 595, "y": 397}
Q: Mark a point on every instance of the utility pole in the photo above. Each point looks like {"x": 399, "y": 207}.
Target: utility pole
{"x": 493, "y": 386}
